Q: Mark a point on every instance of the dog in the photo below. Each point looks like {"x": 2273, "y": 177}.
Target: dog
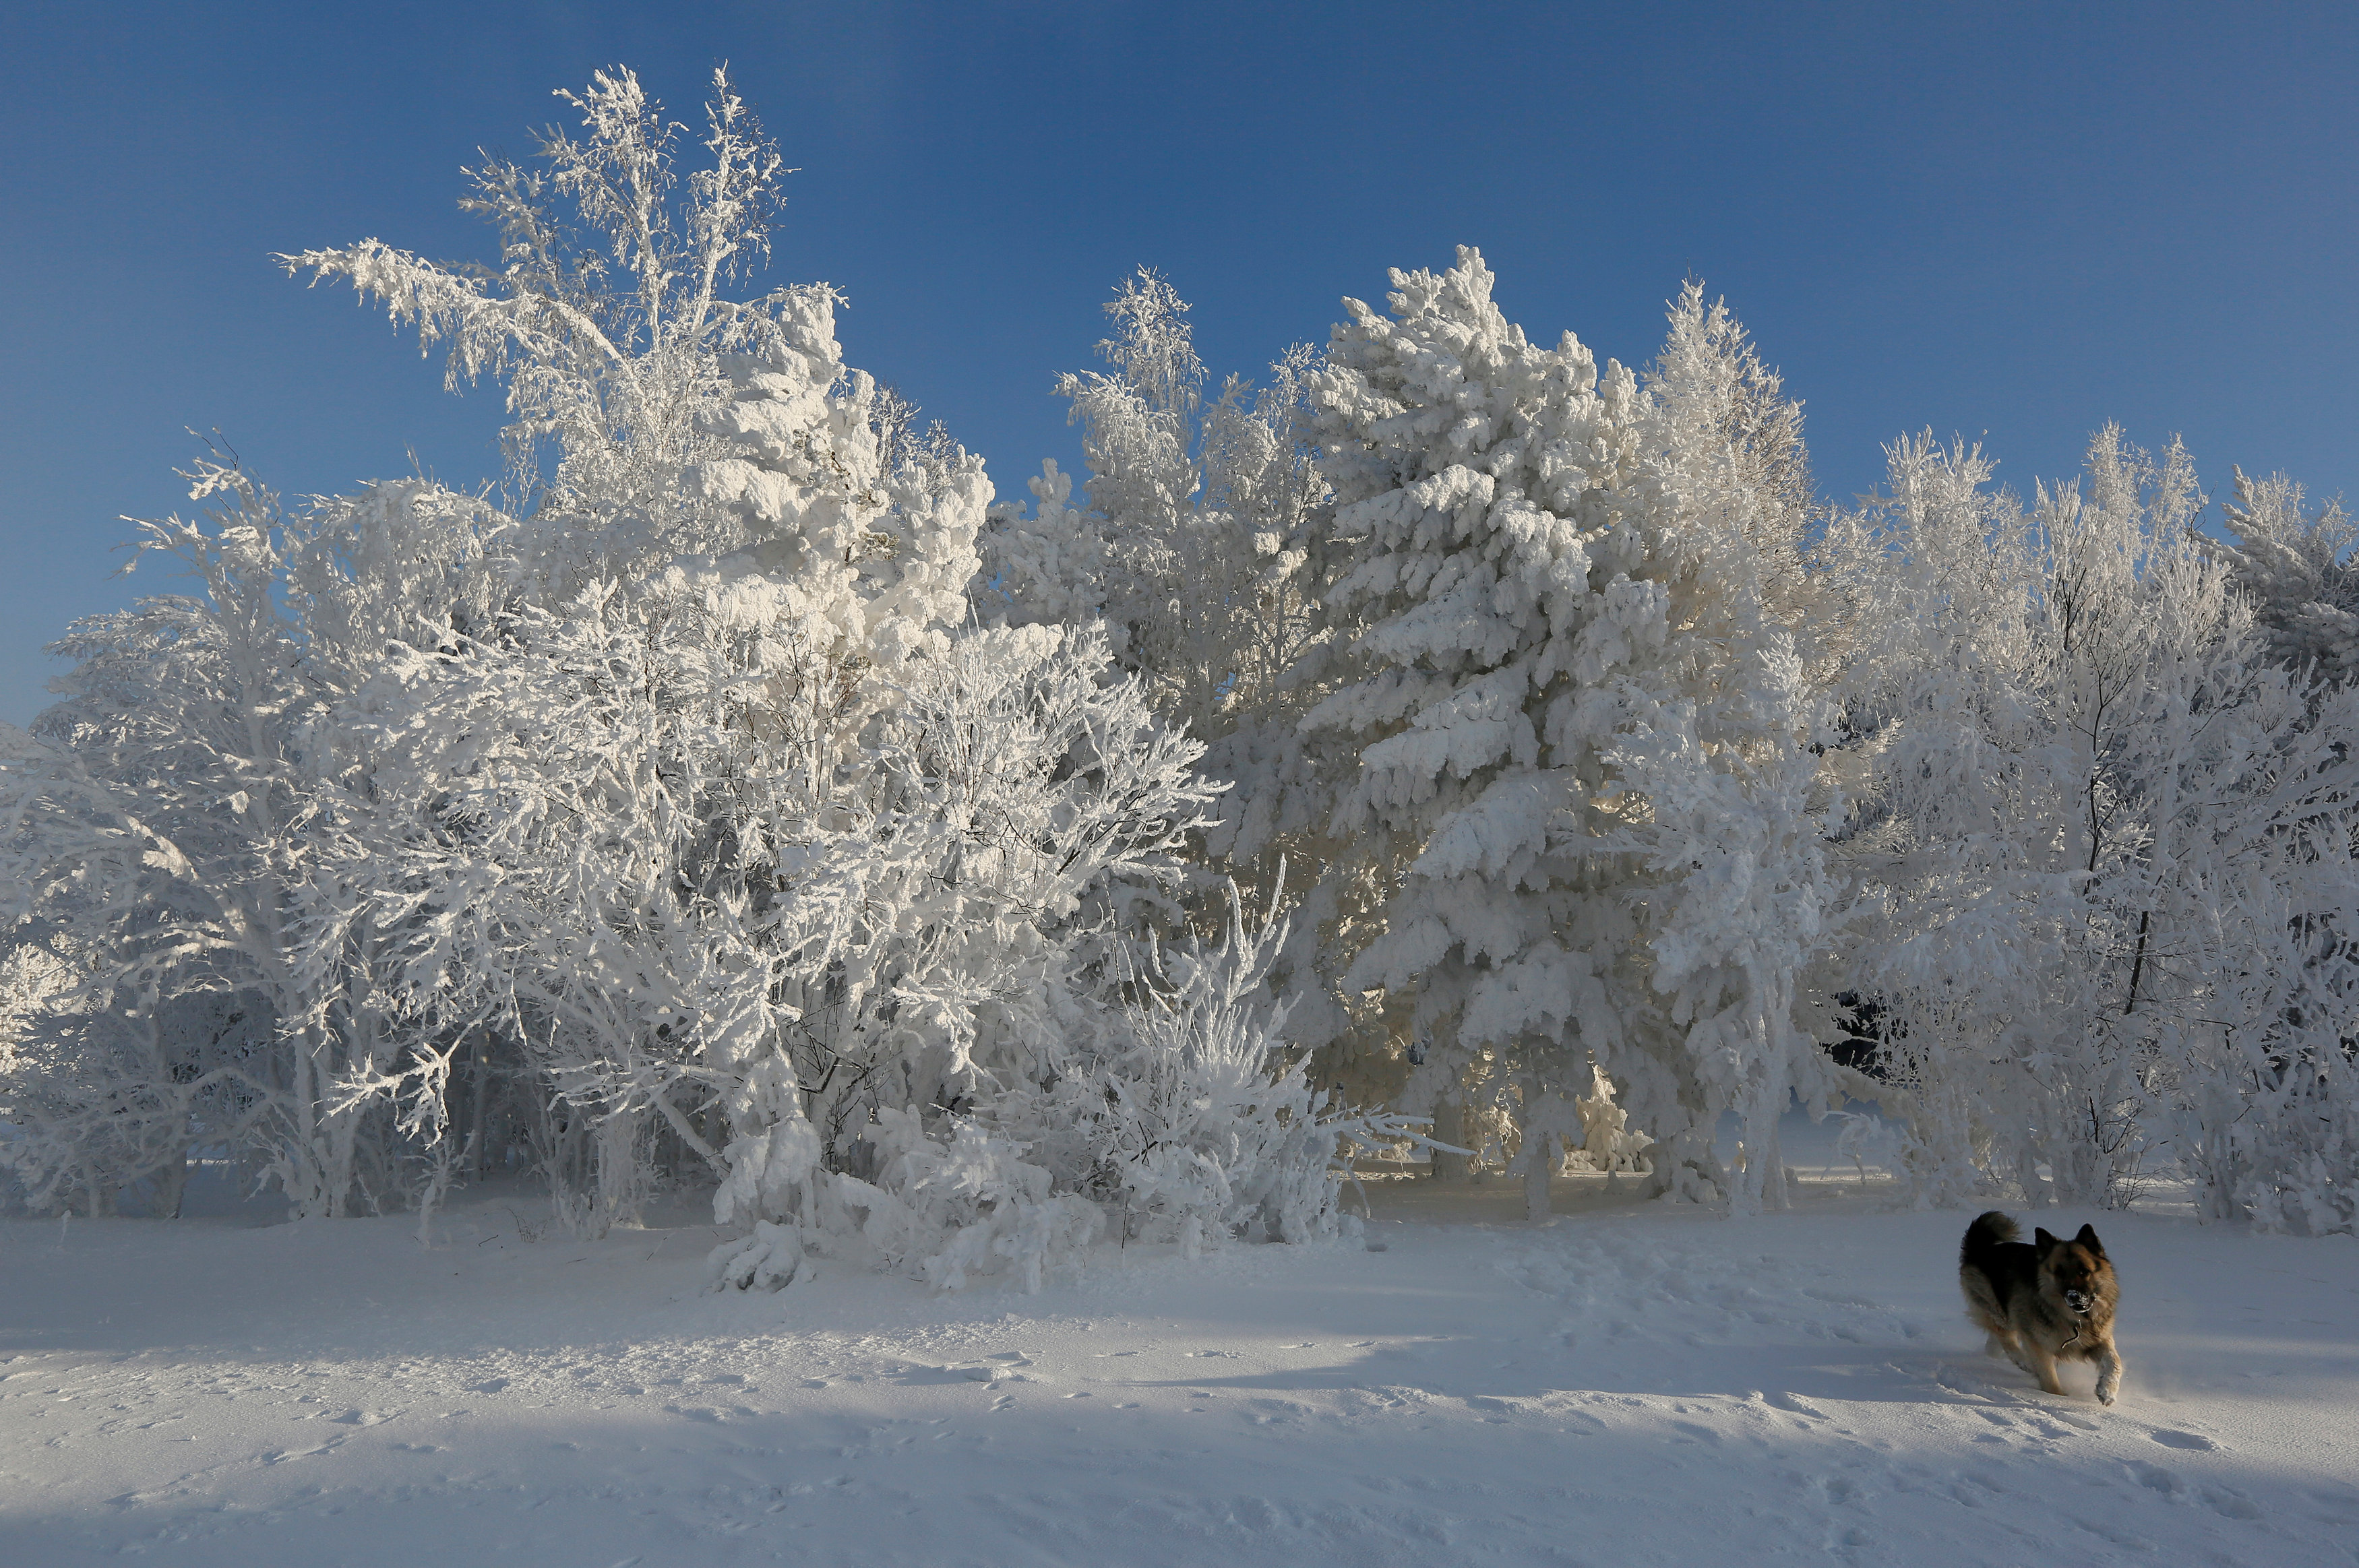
{"x": 2040, "y": 1304}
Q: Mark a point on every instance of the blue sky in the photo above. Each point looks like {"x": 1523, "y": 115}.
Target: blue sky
{"x": 2011, "y": 223}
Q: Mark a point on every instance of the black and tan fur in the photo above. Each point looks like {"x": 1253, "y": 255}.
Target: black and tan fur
{"x": 2042, "y": 1302}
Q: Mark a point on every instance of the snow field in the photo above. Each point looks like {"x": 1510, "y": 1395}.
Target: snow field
{"x": 1622, "y": 1383}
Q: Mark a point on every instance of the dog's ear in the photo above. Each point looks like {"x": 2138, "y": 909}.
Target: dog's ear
{"x": 2088, "y": 1238}
{"x": 2041, "y": 1239}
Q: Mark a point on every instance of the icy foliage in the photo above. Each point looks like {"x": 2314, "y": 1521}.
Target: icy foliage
{"x": 2100, "y": 838}
{"x": 188, "y": 792}
{"x": 1204, "y": 544}
{"x": 1608, "y": 1142}
{"x": 1581, "y": 719}
{"x": 750, "y": 803}
{"x": 2294, "y": 566}
{"x": 607, "y": 322}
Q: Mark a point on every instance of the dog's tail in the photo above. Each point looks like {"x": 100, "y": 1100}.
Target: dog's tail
{"x": 1985, "y": 1236}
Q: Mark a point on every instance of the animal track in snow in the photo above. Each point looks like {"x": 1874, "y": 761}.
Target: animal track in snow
{"x": 2172, "y": 1439}
{"x": 2225, "y": 1501}
{"x": 364, "y": 1418}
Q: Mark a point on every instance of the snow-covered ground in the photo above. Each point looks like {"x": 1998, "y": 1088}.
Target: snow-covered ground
{"x": 1622, "y": 1384}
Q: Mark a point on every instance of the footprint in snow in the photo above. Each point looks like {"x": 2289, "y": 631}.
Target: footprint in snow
{"x": 2230, "y": 1503}
{"x": 364, "y": 1418}
{"x": 2173, "y": 1439}
{"x": 924, "y": 1375}
{"x": 2226, "y": 1501}
{"x": 284, "y": 1454}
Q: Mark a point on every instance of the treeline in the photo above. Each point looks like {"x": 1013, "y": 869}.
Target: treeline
{"x": 736, "y": 794}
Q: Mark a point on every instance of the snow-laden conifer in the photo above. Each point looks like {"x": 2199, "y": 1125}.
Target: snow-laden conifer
{"x": 1582, "y": 736}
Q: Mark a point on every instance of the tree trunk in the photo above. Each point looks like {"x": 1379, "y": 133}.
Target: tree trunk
{"x": 1539, "y": 1164}
{"x": 1449, "y": 1126}
{"x": 621, "y": 1183}
{"x": 482, "y": 1072}
{"x": 172, "y": 1185}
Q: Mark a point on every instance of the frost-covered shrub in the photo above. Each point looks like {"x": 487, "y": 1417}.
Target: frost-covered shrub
{"x": 1177, "y": 1115}
{"x": 944, "y": 1207}
{"x": 1608, "y": 1142}
{"x": 1186, "y": 1113}
{"x": 2277, "y": 1142}
{"x": 940, "y": 1208}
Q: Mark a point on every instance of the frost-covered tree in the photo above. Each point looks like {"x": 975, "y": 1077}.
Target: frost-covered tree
{"x": 605, "y": 317}
{"x": 684, "y": 851}
{"x": 1203, "y": 542}
{"x": 686, "y": 809}
{"x": 1200, "y": 543}
{"x": 1724, "y": 425}
{"x": 163, "y": 837}
{"x": 686, "y": 426}
{"x": 1581, "y": 735}
{"x": 1732, "y": 810}
{"x": 2294, "y": 565}
{"x": 2101, "y": 843}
